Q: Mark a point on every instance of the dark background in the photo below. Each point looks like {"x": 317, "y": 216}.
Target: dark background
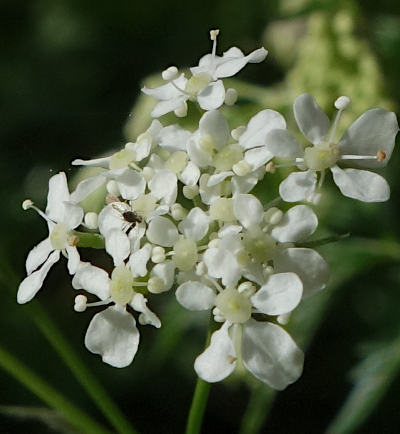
{"x": 70, "y": 72}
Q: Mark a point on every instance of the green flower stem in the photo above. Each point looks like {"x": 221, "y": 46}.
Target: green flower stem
{"x": 260, "y": 403}
{"x": 81, "y": 372}
{"x": 200, "y": 396}
{"x": 47, "y": 394}
{"x": 323, "y": 241}
{"x": 88, "y": 239}
{"x": 83, "y": 375}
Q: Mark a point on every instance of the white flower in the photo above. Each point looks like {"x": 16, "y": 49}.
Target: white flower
{"x": 267, "y": 351}
{"x": 368, "y": 142}
{"x": 62, "y": 217}
{"x": 112, "y": 333}
{"x": 204, "y": 85}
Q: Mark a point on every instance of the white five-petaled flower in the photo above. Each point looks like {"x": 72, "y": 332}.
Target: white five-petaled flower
{"x": 62, "y": 217}
{"x": 112, "y": 333}
{"x": 265, "y": 349}
{"x": 205, "y": 85}
{"x": 368, "y": 143}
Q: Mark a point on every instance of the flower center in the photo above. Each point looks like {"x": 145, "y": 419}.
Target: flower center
{"x": 121, "y": 286}
{"x": 122, "y": 159}
{"x": 259, "y": 245}
{"x": 227, "y": 157}
{"x": 197, "y": 83}
{"x": 59, "y": 236}
{"x": 235, "y": 306}
{"x": 185, "y": 254}
{"x": 322, "y": 156}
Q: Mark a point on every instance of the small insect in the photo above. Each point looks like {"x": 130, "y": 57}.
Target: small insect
{"x": 125, "y": 211}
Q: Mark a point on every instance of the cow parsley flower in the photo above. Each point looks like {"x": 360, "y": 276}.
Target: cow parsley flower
{"x": 62, "y": 216}
{"x": 112, "y": 333}
{"x": 368, "y": 143}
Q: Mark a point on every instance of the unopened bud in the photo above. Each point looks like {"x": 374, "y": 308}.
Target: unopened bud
{"x": 91, "y": 220}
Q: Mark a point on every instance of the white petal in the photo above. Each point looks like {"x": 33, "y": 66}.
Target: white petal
{"x": 110, "y": 218}
{"x": 256, "y": 157}
{"x": 244, "y": 184}
{"x": 38, "y": 255}
{"x": 259, "y": 126}
{"x": 73, "y": 215}
{"x": 164, "y": 107}
{"x": 374, "y": 130}
{"x": 86, "y": 187}
{"x": 218, "y": 360}
{"x": 103, "y": 162}
{"x": 167, "y": 91}
{"x": 139, "y": 304}
{"x": 58, "y": 193}
{"x": 131, "y": 184}
{"x": 218, "y": 178}
{"x": 234, "y": 64}
{"x": 208, "y": 194}
{"x": 195, "y": 296}
{"x": 197, "y": 154}
{"x": 283, "y": 145}
{"x": 166, "y": 272}
{"x": 281, "y": 294}
{"x": 212, "y": 97}
{"x": 270, "y": 354}
{"x": 92, "y": 279}
{"x": 307, "y": 264}
{"x": 312, "y": 121}
{"x": 162, "y": 231}
{"x": 29, "y": 287}
{"x": 112, "y": 333}
{"x": 222, "y": 263}
{"x": 248, "y": 210}
{"x": 361, "y": 184}
{"x": 163, "y": 186}
{"x": 73, "y": 259}
{"x": 214, "y": 125}
{"x": 296, "y": 224}
{"x": 174, "y": 138}
{"x": 117, "y": 245}
{"x": 190, "y": 174}
{"x": 298, "y": 186}
{"x": 138, "y": 261}
{"x": 195, "y": 224}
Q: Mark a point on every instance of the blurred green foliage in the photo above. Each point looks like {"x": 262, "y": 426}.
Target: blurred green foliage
{"x": 70, "y": 72}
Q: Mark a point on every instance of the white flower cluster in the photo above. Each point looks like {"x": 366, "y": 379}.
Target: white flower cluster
{"x": 227, "y": 252}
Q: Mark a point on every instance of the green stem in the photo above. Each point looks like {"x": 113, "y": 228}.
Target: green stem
{"x": 88, "y": 239}
{"x": 257, "y": 410}
{"x": 47, "y": 394}
{"x": 323, "y": 241}
{"x": 81, "y": 372}
{"x": 200, "y": 396}
{"x": 83, "y": 375}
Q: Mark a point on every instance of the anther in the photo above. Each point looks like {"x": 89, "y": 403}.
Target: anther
{"x": 231, "y": 96}
{"x": 270, "y": 167}
{"x": 73, "y": 240}
{"x": 26, "y": 204}
{"x": 170, "y": 73}
{"x": 342, "y": 102}
{"x": 80, "y": 303}
{"x": 380, "y": 155}
{"x": 214, "y": 34}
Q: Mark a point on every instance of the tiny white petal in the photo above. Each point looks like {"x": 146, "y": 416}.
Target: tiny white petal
{"x": 195, "y": 296}
{"x": 163, "y": 186}
{"x": 247, "y": 209}
{"x": 361, "y": 184}
{"x": 117, "y": 245}
{"x": 103, "y": 162}
{"x": 218, "y": 360}
{"x": 296, "y": 224}
{"x": 174, "y": 138}
{"x": 270, "y": 354}
{"x": 312, "y": 121}
{"x": 112, "y": 333}
{"x": 162, "y": 231}
{"x": 195, "y": 224}
{"x": 138, "y": 260}
{"x": 308, "y": 264}
{"x": 29, "y": 287}
{"x": 256, "y": 157}
{"x": 58, "y": 193}
{"x": 280, "y": 294}
{"x": 282, "y": 144}
{"x": 92, "y": 279}
{"x": 190, "y": 174}
{"x": 139, "y": 304}
{"x": 38, "y": 255}
{"x": 86, "y": 187}
{"x": 131, "y": 184}
{"x": 212, "y": 97}
{"x": 298, "y": 186}
{"x": 73, "y": 259}
{"x": 218, "y": 178}
{"x": 73, "y": 215}
{"x": 166, "y": 272}
{"x": 214, "y": 125}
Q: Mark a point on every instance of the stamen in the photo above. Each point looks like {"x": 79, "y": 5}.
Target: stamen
{"x": 170, "y": 73}
{"x": 381, "y": 155}
{"x": 213, "y": 37}
{"x": 341, "y": 104}
{"x": 364, "y": 157}
{"x": 27, "y": 204}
